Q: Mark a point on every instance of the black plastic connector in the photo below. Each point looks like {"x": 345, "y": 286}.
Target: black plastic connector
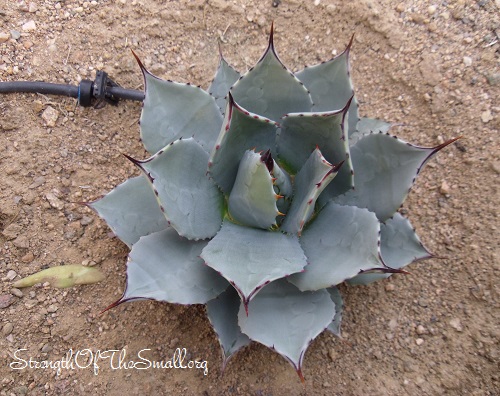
{"x": 88, "y": 93}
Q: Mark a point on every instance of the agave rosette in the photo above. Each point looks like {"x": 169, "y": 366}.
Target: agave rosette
{"x": 261, "y": 195}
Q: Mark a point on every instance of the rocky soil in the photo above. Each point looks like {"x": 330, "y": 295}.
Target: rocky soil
{"x": 431, "y": 67}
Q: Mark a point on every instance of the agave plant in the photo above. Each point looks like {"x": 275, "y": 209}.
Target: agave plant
{"x": 260, "y": 196}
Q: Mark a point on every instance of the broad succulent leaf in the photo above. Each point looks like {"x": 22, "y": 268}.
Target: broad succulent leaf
{"x": 131, "y": 210}
{"x": 312, "y": 179}
{"x": 192, "y": 204}
{"x": 336, "y": 297}
{"x": 250, "y": 258}
{"x": 166, "y": 267}
{"x": 287, "y": 320}
{"x": 270, "y": 89}
{"x": 223, "y": 315}
{"x": 331, "y": 87}
{"x": 241, "y": 131}
{"x": 301, "y": 133}
{"x": 385, "y": 169}
{"x": 224, "y": 79}
{"x": 190, "y": 112}
{"x": 252, "y": 201}
{"x": 341, "y": 242}
{"x": 367, "y": 126}
{"x": 400, "y": 246}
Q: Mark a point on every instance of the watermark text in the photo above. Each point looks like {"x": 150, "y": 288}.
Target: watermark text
{"x": 115, "y": 359}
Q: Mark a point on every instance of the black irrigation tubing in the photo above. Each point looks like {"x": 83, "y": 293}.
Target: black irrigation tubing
{"x": 88, "y": 92}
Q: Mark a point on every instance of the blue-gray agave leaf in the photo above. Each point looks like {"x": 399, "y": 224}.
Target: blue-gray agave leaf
{"x": 223, "y": 315}
{"x": 131, "y": 210}
{"x": 400, "y": 246}
{"x": 385, "y": 169}
{"x": 270, "y": 89}
{"x": 173, "y": 110}
{"x": 241, "y": 131}
{"x": 341, "y": 242}
{"x": 331, "y": 86}
{"x": 301, "y": 133}
{"x": 252, "y": 201}
{"x": 250, "y": 258}
{"x": 224, "y": 79}
{"x": 336, "y": 297}
{"x": 287, "y": 320}
{"x": 367, "y": 126}
{"x": 166, "y": 267}
{"x": 192, "y": 204}
{"x": 312, "y": 179}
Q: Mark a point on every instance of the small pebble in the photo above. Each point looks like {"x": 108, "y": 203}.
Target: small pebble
{"x": 423, "y": 303}
{"x": 431, "y": 9}
{"x": 493, "y": 79}
{"x": 420, "y": 330}
{"x": 29, "y": 26}
{"x": 445, "y": 188}
{"x": 16, "y": 292}
{"x": 393, "y": 323}
{"x": 419, "y": 341}
{"x": 37, "y": 182}
{"x": 50, "y": 116}
{"x": 7, "y": 329}
{"x": 417, "y": 18}
{"x": 390, "y": 287}
{"x": 11, "y": 275}
{"x": 6, "y": 300}
{"x": 33, "y": 7}
{"x": 4, "y": 37}
{"x": 22, "y": 6}
{"x": 15, "y": 34}
{"x": 28, "y": 257}
{"x": 455, "y": 323}
{"x": 467, "y": 61}
{"x": 486, "y": 116}
{"x": 22, "y": 242}
{"x": 86, "y": 220}
{"x": 55, "y": 202}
